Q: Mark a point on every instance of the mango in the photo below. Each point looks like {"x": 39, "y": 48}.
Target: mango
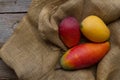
{"x": 95, "y": 29}
{"x": 84, "y": 55}
{"x": 69, "y": 31}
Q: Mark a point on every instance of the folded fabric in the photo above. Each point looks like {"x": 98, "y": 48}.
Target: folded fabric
{"x": 34, "y": 50}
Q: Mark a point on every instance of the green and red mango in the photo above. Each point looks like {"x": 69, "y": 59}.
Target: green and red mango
{"x": 84, "y": 55}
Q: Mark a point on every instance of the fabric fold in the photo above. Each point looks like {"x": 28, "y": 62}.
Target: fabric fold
{"x": 34, "y": 49}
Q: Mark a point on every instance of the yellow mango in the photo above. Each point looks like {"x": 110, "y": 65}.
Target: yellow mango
{"x": 95, "y": 29}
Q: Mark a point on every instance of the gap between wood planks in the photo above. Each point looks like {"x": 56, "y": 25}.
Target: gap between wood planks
{"x": 13, "y": 12}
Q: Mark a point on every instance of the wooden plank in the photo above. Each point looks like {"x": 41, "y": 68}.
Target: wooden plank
{"x": 6, "y": 73}
{"x": 7, "y": 24}
{"x": 14, "y": 5}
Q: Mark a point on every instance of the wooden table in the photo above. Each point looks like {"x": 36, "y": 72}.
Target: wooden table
{"x": 11, "y": 12}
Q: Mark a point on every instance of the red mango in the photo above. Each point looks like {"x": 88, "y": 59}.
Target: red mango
{"x": 69, "y": 31}
{"x": 84, "y": 55}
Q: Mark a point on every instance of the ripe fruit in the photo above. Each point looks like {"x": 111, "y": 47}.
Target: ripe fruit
{"x": 95, "y": 29}
{"x": 69, "y": 31}
{"x": 84, "y": 55}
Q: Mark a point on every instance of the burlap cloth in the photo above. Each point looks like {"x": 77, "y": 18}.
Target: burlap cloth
{"x": 34, "y": 50}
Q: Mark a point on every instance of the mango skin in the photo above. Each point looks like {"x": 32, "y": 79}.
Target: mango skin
{"x": 69, "y": 31}
{"x": 95, "y": 29}
{"x": 84, "y": 55}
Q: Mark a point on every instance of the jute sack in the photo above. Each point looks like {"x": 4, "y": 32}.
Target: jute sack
{"x": 34, "y": 50}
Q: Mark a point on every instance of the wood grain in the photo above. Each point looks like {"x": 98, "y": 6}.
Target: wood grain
{"x": 6, "y": 73}
{"x": 14, "y": 5}
{"x": 7, "y": 24}
{"x": 11, "y": 12}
